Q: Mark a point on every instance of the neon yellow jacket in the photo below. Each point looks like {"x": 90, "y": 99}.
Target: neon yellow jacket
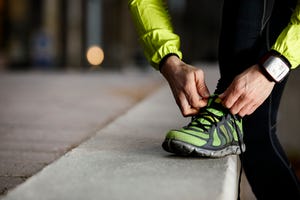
{"x": 158, "y": 39}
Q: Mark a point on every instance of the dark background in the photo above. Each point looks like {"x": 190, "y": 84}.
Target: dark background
{"x": 55, "y": 34}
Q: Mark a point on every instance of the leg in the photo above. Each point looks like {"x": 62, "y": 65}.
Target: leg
{"x": 243, "y": 40}
{"x": 239, "y": 38}
{"x": 265, "y": 163}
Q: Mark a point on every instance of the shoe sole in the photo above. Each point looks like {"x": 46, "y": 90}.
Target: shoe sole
{"x": 185, "y": 149}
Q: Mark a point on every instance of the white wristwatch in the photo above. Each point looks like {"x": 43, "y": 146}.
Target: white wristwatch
{"x": 275, "y": 66}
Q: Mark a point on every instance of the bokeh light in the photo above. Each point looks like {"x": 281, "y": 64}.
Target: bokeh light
{"x": 95, "y": 55}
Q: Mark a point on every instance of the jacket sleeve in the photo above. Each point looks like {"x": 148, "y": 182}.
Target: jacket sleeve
{"x": 288, "y": 42}
{"x": 155, "y": 30}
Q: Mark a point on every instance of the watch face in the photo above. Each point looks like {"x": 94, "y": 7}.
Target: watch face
{"x": 276, "y": 67}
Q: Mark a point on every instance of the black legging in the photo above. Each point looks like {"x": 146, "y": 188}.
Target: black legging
{"x": 249, "y": 27}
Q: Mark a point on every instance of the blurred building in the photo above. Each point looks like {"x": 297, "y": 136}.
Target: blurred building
{"x": 55, "y": 34}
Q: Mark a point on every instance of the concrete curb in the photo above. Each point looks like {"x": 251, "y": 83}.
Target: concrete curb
{"x": 125, "y": 161}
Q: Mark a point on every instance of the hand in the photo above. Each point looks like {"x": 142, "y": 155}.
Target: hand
{"x": 247, "y": 92}
{"x": 187, "y": 84}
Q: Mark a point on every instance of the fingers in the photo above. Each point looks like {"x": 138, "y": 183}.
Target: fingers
{"x": 242, "y": 106}
{"x": 191, "y": 92}
{"x": 185, "y": 107}
{"x": 198, "y": 92}
{"x": 231, "y": 95}
{"x": 239, "y": 104}
{"x": 188, "y": 86}
{"x": 194, "y": 94}
{"x": 247, "y": 92}
{"x": 200, "y": 84}
{"x": 248, "y": 110}
{"x": 190, "y": 102}
{"x": 235, "y": 100}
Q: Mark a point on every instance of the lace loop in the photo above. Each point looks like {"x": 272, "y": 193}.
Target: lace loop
{"x": 204, "y": 116}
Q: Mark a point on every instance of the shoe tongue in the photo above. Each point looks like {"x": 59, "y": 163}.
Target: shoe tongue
{"x": 213, "y": 106}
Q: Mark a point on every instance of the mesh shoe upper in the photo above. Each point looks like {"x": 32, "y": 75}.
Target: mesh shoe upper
{"x": 213, "y": 131}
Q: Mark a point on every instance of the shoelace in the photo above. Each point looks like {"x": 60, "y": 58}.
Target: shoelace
{"x": 209, "y": 116}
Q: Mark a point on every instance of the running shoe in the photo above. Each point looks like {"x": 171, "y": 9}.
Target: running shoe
{"x": 214, "y": 132}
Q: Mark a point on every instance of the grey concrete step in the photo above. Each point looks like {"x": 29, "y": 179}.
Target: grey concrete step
{"x": 125, "y": 160}
{"x": 44, "y": 115}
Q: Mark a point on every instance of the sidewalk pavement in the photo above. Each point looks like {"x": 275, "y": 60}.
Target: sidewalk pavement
{"x": 125, "y": 160}
{"x": 112, "y": 163}
{"x": 44, "y": 115}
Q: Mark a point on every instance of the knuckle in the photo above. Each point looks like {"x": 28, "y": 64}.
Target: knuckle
{"x": 187, "y": 88}
{"x": 194, "y": 102}
{"x": 185, "y": 113}
{"x": 237, "y": 89}
{"x": 190, "y": 74}
{"x": 199, "y": 72}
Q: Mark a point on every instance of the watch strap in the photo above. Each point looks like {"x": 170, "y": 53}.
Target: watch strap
{"x": 274, "y": 66}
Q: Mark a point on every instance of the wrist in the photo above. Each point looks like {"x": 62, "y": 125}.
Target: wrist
{"x": 169, "y": 64}
{"x": 165, "y": 58}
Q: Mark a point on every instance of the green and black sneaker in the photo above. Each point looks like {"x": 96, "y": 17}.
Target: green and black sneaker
{"x": 214, "y": 132}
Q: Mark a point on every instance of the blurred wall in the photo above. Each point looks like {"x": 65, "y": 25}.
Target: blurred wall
{"x": 198, "y": 23}
{"x": 55, "y": 34}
